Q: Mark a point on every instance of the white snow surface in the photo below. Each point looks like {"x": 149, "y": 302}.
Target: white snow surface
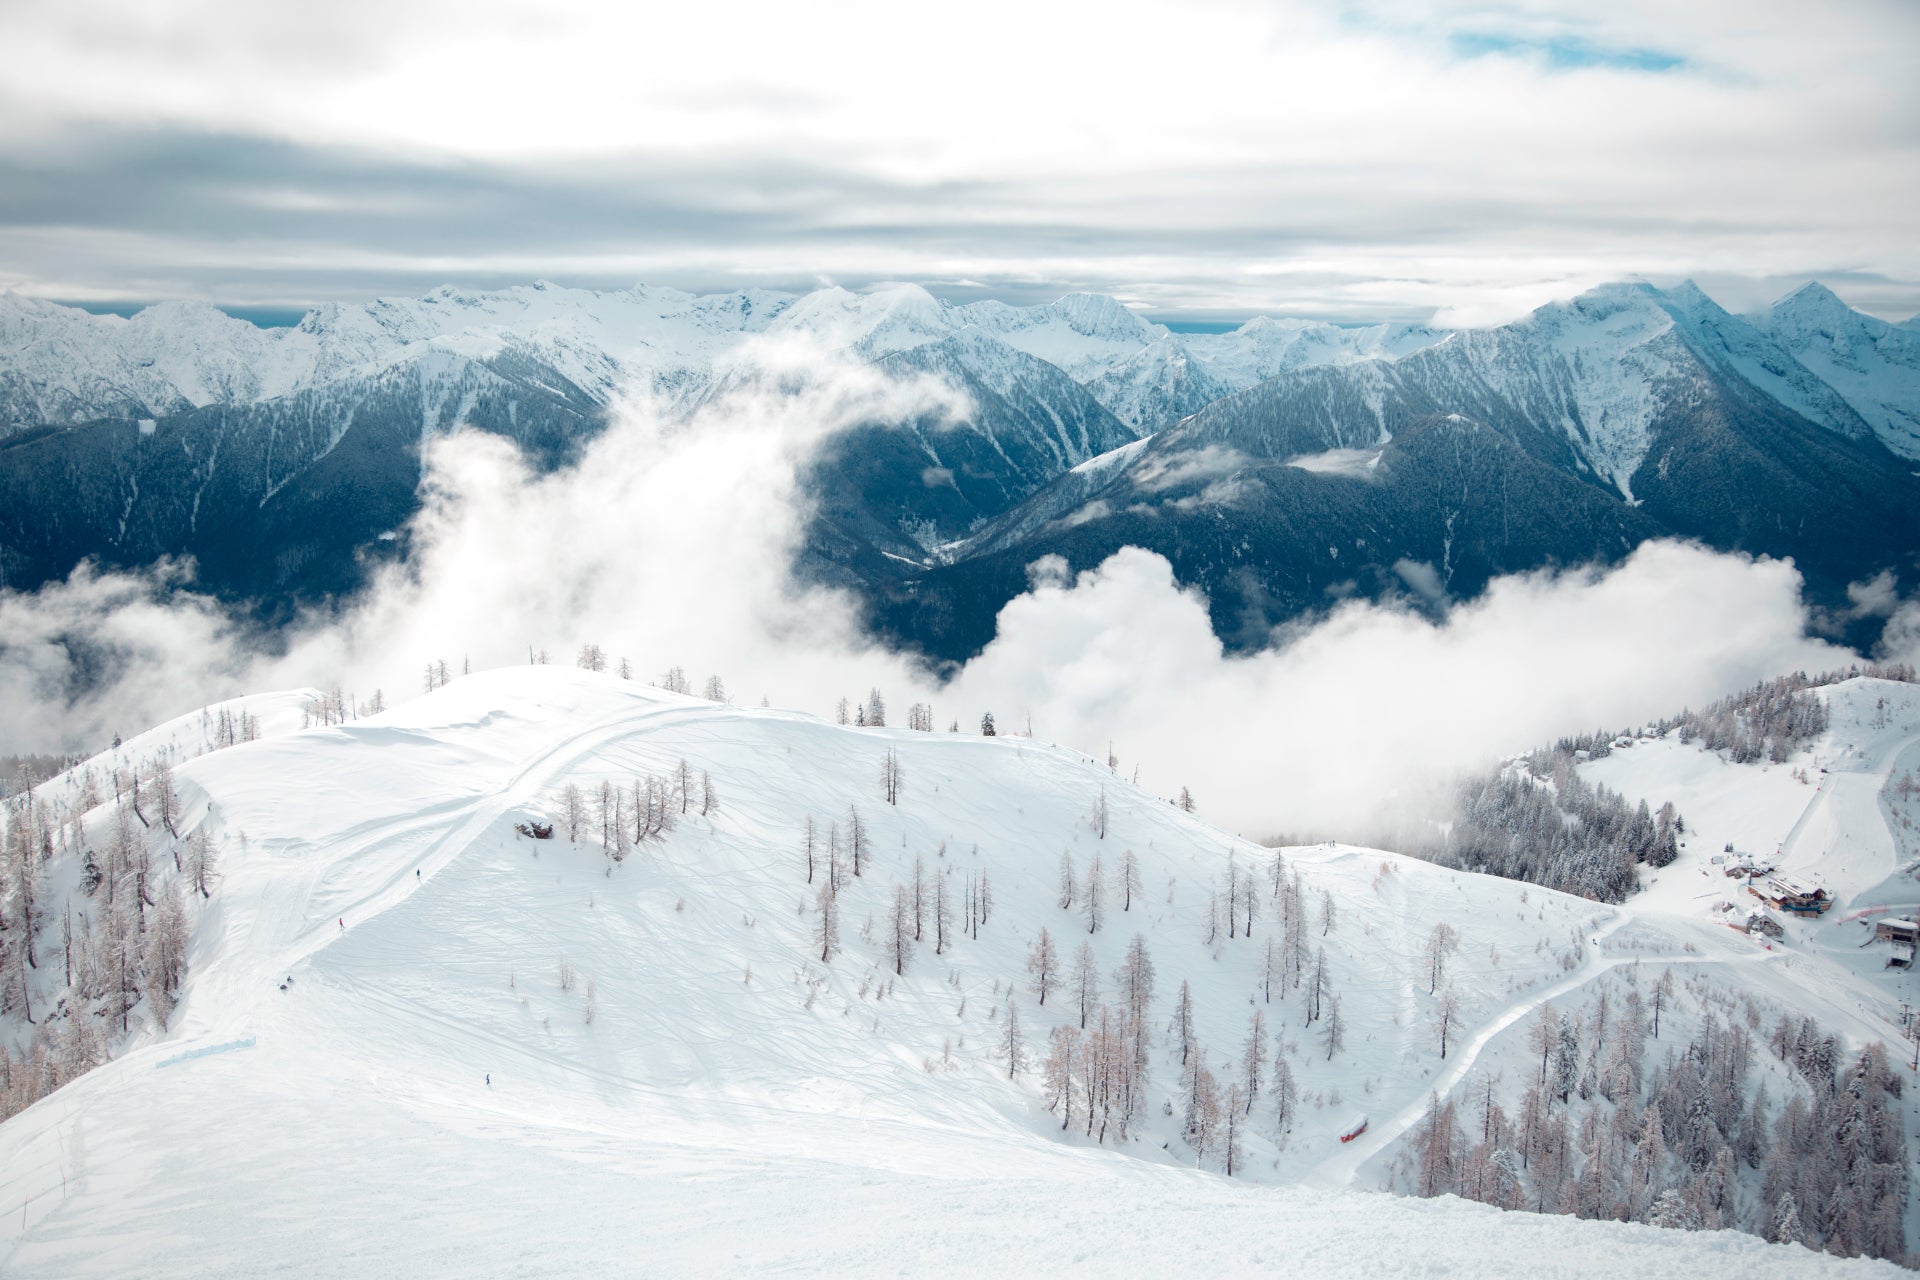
{"x": 734, "y": 1103}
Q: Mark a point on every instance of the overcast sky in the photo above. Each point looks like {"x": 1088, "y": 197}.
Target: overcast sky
{"x": 1372, "y": 159}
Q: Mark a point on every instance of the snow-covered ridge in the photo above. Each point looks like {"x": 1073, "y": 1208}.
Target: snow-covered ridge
{"x": 1596, "y": 367}
{"x": 61, "y": 365}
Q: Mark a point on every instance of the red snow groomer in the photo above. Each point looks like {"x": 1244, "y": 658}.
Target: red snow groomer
{"x": 1354, "y": 1130}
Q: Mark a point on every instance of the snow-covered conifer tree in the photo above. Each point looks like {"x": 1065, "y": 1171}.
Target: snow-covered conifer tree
{"x": 858, "y": 846}
{"x": 1286, "y": 1095}
{"x": 1129, "y": 878}
{"x": 1445, "y": 1013}
{"x": 1043, "y": 962}
{"x": 1086, "y": 981}
{"x": 1201, "y": 1124}
{"x": 1093, "y": 895}
{"x": 942, "y": 914}
{"x": 1441, "y": 943}
{"x": 826, "y": 933}
{"x": 900, "y": 928}
{"x": 202, "y": 863}
{"x": 890, "y": 776}
{"x": 1335, "y": 1030}
{"x": 167, "y": 800}
{"x": 919, "y": 895}
{"x": 1253, "y": 1058}
{"x": 1183, "y": 1023}
{"x": 1230, "y": 1126}
{"x": 1136, "y": 979}
{"x": 573, "y": 809}
{"x": 1063, "y": 1058}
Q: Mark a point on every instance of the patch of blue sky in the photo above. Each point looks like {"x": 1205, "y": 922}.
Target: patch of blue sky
{"x": 1567, "y": 53}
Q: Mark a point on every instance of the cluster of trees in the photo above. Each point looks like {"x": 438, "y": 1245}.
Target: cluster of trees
{"x": 1691, "y": 1144}
{"x": 1087, "y": 892}
{"x": 330, "y": 708}
{"x": 871, "y": 714}
{"x": 438, "y": 674}
{"x": 76, "y": 966}
{"x": 228, "y": 729}
{"x": 1097, "y": 1061}
{"x": 1772, "y": 719}
{"x": 1547, "y": 825}
{"x": 646, "y": 809}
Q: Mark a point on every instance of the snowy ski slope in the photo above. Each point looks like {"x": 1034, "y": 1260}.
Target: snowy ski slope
{"x": 425, "y": 1097}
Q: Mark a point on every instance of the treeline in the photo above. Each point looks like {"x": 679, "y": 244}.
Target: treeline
{"x": 1693, "y": 1145}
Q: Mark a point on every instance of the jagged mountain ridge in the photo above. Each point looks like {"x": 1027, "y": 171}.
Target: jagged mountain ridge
{"x": 1569, "y": 436}
{"x": 281, "y": 460}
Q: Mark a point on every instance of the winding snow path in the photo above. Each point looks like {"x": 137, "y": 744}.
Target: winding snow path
{"x": 1343, "y": 1167}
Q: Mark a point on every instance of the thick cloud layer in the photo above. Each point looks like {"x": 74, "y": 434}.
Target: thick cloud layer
{"x": 1354, "y": 723}
{"x": 669, "y": 544}
{"x": 1350, "y": 159}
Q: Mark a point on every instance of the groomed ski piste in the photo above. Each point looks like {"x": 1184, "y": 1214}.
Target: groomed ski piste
{"x": 413, "y": 1041}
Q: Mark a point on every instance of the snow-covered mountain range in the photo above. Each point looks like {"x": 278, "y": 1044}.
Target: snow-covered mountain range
{"x": 61, "y": 366}
{"x": 1570, "y": 435}
{"x": 1287, "y": 463}
{"x": 371, "y": 1015}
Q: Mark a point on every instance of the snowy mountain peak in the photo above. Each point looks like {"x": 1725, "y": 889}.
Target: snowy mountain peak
{"x": 1810, "y": 297}
{"x": 1098, "y": 316}
{"x": 1874, "y": 365}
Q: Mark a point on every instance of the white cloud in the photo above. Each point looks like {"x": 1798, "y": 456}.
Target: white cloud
{"x": 670, "y": 545}
{"x": 1373, "y": 709}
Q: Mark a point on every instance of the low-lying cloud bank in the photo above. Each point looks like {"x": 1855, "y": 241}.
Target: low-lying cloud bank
{"x": 669, "y": 544}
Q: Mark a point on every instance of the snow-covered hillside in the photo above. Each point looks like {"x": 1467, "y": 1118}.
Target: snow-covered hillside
{"x": 411, "y": 1038}
{"x": 1839, "y": 814}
